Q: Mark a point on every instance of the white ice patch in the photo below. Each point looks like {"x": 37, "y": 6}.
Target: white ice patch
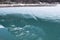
{"x": 51, "y": 13}
{"x": 2, "y": 26}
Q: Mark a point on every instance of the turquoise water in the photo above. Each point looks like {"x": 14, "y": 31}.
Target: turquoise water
{"x": 6, "y": 35}
{"x": 31, "y": 23}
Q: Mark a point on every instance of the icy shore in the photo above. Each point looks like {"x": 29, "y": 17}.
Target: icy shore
{"x": 26, "y": 5}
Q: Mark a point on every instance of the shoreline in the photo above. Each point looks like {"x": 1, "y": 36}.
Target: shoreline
{"x": 25, "y": 5}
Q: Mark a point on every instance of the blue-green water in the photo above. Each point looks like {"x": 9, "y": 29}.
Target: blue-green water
{"x": 6, "y": 35}
{"x": 30, "y": 23}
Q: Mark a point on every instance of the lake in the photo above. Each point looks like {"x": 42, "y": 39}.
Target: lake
{"x": 30, "y": 23}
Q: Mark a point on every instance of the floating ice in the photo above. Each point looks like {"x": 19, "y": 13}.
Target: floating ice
{"x": 49, "y": 13}
{"x": 2, "y": 26}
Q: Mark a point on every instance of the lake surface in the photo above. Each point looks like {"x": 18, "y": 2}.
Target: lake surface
{"x": 31, "y": 23}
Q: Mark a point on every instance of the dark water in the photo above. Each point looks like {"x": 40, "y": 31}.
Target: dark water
{"x": 26, "y": 26}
